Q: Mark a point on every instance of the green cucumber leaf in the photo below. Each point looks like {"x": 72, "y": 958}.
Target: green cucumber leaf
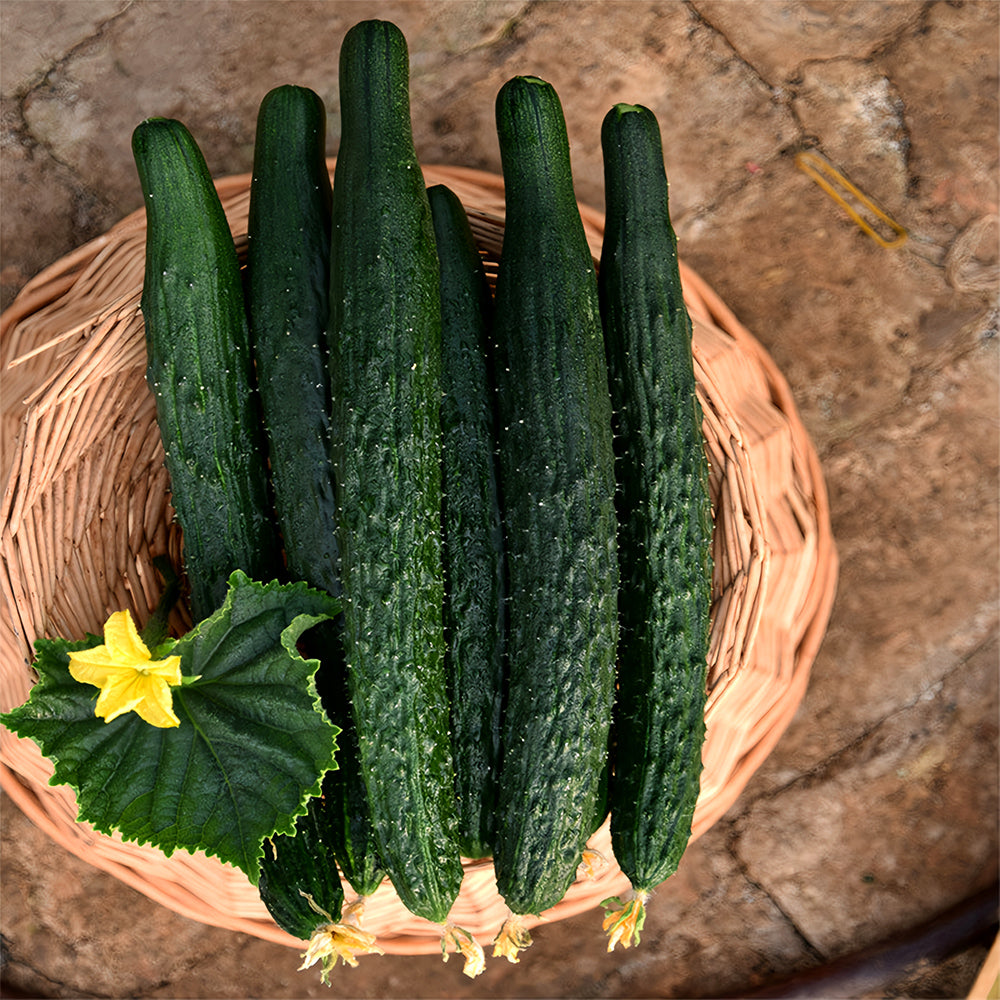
{"x": 251, "y": 749}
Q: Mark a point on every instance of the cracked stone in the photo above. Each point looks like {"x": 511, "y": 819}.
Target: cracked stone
{"x": 833, "y": 860}
{"x": 814, "y": 269}
{"x": 781, "y": 36}
{"x": 46, "y": 32}
{"x": 958, "y": 170}
{"x": 59, "y": 215}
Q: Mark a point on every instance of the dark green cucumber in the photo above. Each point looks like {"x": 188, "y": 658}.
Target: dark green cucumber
{"x": 288, "y": 305}
{"x": 385, "y": 370}
{"x": 301, "y": 867}
{"x": 557, "y": 489}
{"x": 288, "y": 296}
{"x": 664, "y": 509}
{"x": 351, "y": 834}
{"x": 200, "y": 369}
{"x": 474, "y": 567}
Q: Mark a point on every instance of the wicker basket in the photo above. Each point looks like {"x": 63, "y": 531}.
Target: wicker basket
{"x": 85, "y": 507}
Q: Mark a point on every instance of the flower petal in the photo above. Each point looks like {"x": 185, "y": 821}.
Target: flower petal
{"x": 168, "y": 670}
{"x": 512, "y": 939}
{"x": 157, "y": 703}
{"x": 119, "y": 694}
{"x": 123, "y": 640}
{"x": 93, "y": 666}
{"x": 464, "y": 943}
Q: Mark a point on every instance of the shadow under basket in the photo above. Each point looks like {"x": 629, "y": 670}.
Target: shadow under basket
{"x": 86, "y": 507}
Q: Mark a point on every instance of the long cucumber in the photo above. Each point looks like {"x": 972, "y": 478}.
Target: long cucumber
{"x": 473, "y": 551}
{"x": 385, "y": 374}
{"x": 287, "y": 291}
{"x": 288, "y": 305}
{"x": 200, "y": 369}
{"x": 557, "y": 487}
{"x": 664, "y": 517}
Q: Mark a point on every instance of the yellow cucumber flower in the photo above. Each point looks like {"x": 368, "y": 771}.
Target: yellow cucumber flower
{"x": 512, "y": 939}
{"x": 129, "y": 678}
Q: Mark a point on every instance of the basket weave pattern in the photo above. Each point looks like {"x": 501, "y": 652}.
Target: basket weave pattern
{"x": 85, "y": 508}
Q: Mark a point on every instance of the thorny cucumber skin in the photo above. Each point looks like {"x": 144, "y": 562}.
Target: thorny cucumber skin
{"x": 288, "y": 304}
{"x": 557, "y": 490}
{"x": 664, "y": 510}
{"x": 297, "y": 868}
{"x": 385, "y": 371}
{"x": 200, "y": 369}
{"x": 287, "y": 294}
{"x": 473, "y": 536}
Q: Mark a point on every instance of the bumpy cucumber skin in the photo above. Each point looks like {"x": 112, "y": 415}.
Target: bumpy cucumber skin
{"x": 664, "y": 510}
{"x": 557, "y": 492}
{"x": 349, "y": 825}
{"x": 302, "y": 863}
{"x": 475, "y": 584}
{"x": 200, "y": 369}
{"x": 288, "y": 305}
{"x": 385, "y": 367}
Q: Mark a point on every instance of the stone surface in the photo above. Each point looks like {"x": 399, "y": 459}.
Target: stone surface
{"x": 780, "y": 38}
{"x": 928, "y": 768}
{"x": 878, "y": 807}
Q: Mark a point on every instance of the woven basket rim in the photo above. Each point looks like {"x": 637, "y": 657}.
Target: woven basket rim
{"x": 766, "y": 701}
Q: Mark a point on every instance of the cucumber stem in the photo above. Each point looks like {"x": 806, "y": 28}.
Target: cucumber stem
{"x": 156, "y": 629}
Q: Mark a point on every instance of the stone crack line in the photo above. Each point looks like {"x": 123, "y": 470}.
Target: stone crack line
{"x": 22, "y": 130}
{"x": 839, "y": 762}
{"x": 785, "y": 94}
{"x": 811, "y": 949}
{"x": 706, "y": 22}
{"x": 822, "y": 773}
{"x": 42, "y": 77}
{"x": 914, "y": 391}
{"x": 11, "y": 960}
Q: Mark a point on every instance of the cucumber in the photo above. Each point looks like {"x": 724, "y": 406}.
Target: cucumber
{"x": 557, "y": 487}
{"x": 351, "y": 834}
{"x": 665, "y": 522}
{"x": 301, "y": 888}
{"x": 299, "y": 881}
{"x": 288, "y": 296}
{"x": 200, "y": 369}
{"x": 385, "y": 374}
{"x": 474, "y": 567}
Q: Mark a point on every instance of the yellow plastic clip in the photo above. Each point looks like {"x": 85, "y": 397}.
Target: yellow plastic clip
{"x": 834, "y": 183}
